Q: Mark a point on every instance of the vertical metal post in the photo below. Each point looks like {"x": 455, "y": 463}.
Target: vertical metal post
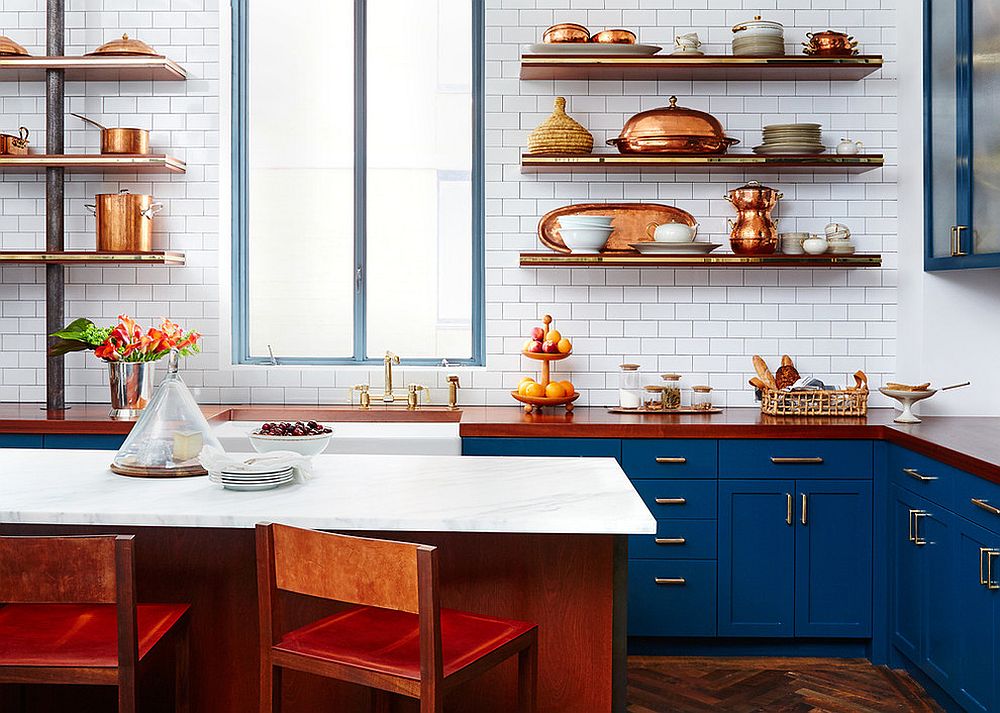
{"x": 55, "y": 277}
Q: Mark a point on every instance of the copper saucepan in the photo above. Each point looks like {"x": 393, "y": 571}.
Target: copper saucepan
{"x": 120, "y": 140}
{"x": 11, "y": 145}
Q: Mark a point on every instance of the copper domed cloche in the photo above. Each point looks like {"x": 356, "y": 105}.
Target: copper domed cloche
{"x": 673, "y": 130}
{"x": 10, "y": 48}
{"x": 125, "y": 46}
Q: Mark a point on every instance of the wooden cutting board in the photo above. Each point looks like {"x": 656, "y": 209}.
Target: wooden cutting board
{"x": 629, "y": 221}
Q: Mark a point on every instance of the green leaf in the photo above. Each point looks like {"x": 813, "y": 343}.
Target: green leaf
{"x": 65, "y": 346}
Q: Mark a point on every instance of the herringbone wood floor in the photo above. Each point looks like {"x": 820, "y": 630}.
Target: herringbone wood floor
{"x": 770, "y": 685}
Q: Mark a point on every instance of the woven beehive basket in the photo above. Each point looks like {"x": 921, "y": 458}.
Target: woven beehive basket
{"x": 845, "y": 402}
{"x": 560, "y": 134}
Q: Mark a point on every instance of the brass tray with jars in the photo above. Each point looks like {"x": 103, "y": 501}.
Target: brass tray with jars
{"x": 630, "y": 221}
{"x": 683, "y": 411}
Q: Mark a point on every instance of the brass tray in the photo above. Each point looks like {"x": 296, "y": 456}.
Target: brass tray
{"x": 139, "y": 471}
{"x": 686, "y": 411}
{"x": 629, "y": 221}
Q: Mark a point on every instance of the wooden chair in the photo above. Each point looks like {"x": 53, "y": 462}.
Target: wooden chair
{"x": 394, "y": 638}
{"x": 68, "y": 615}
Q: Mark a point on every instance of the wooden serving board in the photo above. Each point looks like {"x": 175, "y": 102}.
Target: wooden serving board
{"x": 661, "y": 412}
{"x": 629, "y": 221}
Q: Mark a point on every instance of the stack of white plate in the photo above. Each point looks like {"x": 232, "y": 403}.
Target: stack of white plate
{"x": 782, "y": 139}
{"x": 758, "y": 46}
{"x": 251, "y": 478}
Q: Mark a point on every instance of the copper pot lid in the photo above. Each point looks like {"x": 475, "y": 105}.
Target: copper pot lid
{"x": 829, "y": 36}
{"x": 9, "y": 48}
{"x": 125, "y": 46}
{"x": 753, "y": 191}
{"x": 673, "y": 121}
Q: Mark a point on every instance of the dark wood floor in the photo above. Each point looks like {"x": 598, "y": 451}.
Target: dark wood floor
{"x": 775, "y": 685}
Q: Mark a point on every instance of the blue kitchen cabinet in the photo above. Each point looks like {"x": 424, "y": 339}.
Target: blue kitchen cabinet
{"x": 20, "y": 440}
{"x": 906, "y": 573}
{"x": 671, "y": 597}
{"x": 94, "y": 441}
{"x": 551, "y": 447}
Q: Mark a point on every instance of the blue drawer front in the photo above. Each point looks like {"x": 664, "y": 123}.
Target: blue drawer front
{"x": 557, "y": 447}
{"x": 20, "y": 440}
{"x": 922, "y": 475}
{"x": 795, "y": 458}
{"x": 691, "y": 499}
{"x": 676, "y": 539}
{"x": 986, "y": 493}
{"x": 685, "y": 607}
{"x": 96, "y": 442}
{"x": 678, "y": 458}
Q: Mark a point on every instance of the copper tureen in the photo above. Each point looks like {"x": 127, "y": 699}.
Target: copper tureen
{"x": 673, "y": 130}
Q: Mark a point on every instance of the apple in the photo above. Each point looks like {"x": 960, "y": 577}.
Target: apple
{"x": 550, "y": 347}
{"x": 533, "y": 346}
{"x": 527, "y": 345}
{"x": 538, "y": 334}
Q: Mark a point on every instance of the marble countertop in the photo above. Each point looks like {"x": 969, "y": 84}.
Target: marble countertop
{"x": 349, "y": 492}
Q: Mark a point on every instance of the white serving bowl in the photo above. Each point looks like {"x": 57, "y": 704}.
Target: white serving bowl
{"x": 585, "y": 240}
{"x": 585, "y": 221}
{"x": 303, "y": 445}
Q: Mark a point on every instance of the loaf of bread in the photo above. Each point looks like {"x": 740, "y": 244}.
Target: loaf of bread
{"x": 786, "y": 376}
{"x": 906, "y": 387}
{"x": 787, "y": 360}
{"x": 763, "y": 373}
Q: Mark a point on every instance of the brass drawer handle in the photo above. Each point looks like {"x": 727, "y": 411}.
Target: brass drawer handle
{"x": 985, "y": 505}
{"x": 672, "y": 461}
{"x": 670, "y": 580}
{"x": 816, "y": 460}
{"x": 912, "y": 472}
{"x": 788, "y": 508}
{"x": 987, "y": 579}
{"x": 671, "y": 501}
{"x": 805, "y": 504}
{"x": 915, "y": 537}
{"x": 670, "y": 540}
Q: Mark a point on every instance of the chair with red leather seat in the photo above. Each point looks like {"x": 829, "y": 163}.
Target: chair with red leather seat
{"x": 68, "y": 615}
{"x": 394, "y": 637}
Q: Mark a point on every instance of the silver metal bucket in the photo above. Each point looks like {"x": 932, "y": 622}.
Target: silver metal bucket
{"x": 131, "y": 388}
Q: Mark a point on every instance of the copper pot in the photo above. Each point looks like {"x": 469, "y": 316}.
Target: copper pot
{"x": 11, "y": 145}
{"x": 120, "y": 140}
{"x": 673, "y": 129}
{"x": 124, "y": 221}
{"x": 830, "y": 44}
{"x": 614, "y": 37}
{"x": 566, "y": 32}
{"x": 9, "y": 48}
{"x": 125, "y": 47}
{"x": 753, "y": 232}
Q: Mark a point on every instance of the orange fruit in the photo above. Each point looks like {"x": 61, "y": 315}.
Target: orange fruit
{"x": 535, "y": 390}
{"x": 553, "y": 335}
{"x": 524, "y": 379}
{"x": 522, "y": 388}
{"x": 565, "y": 346}
{"x": 568, "y": 387}
{"x": 554, "y": 390}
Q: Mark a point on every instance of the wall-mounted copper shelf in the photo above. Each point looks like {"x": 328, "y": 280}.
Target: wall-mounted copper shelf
{"x": 95, "y": 163}
{"x": 103, "y": 69}
{"x": 717, "y": 260}
{"x": 708, "y": 67}
{"x": 83, "y": 257}
{"x": 630, "y": 163}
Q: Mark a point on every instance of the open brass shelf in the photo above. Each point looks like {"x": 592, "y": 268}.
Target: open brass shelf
{"x": 95, "y": 163}
{"x": 84, "y": 257}
{"x": 612, "y": 162}
{"x": 548, "y": 259}
{"x": 708, "y": 67}
{"x": 103, "y": 69}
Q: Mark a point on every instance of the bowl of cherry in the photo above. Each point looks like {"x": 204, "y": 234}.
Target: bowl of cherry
{"x": 307, "y": 438}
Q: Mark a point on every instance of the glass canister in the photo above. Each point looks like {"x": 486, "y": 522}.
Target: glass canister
{"x": 630, "y": 391}
{"x": 671, "y": 391}
{"x": 653, "y": 398}
{"x": 701, "y": 397}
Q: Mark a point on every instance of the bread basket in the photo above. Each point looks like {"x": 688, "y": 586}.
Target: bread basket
{"x": 842, "y": 402}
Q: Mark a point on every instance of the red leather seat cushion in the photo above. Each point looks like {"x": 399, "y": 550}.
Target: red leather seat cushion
{"x": 389, "y": 642}
{"x": 76, "y": 634}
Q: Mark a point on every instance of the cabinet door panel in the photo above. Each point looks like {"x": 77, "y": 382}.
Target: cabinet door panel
{"x": 558, "y": 447}
{"x": 756, "y": 558}
{"x": 670, "y": 458}
{"x": 796, "y": 458}
{"x": 678, "y": 498}
{"x": 833, "y": 565}
{"x": 684, "y": 605}
{"x": 978, "y": 626}
{"x": 940, "y": 651}
{"x": 942, "y": 170}
{"x": 984, "y": 129}
{"x": 905, "y": 575}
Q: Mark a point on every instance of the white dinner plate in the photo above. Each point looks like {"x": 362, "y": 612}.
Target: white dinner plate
{"x": 585, "y": 48}
{"x": 782, "y": 150}
{"x": 252, "y": 487}
{"x": 696, "y": 248}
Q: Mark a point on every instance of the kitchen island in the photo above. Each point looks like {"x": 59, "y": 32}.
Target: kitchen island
{"x": 528, "y": 538}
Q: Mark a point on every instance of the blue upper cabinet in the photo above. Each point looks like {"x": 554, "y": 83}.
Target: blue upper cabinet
{"x": 962, "y": 136}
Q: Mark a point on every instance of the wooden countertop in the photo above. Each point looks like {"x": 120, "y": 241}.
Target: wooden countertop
{"x": 969, "y": 443}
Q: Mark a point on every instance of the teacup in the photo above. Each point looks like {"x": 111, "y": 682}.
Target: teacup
{"x": 672, "y": 232}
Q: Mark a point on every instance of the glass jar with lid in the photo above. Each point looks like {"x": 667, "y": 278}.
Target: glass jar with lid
{"x": 671, "y": 391}
{"x": 653, "y": 400}
{"x": 701, "y": 397}
{"x": 630, "y": 391}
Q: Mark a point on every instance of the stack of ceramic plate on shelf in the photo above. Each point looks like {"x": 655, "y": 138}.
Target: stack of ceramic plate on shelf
{"x": 838, "y": 239}
{"x": 783, "y": 139}
{"x": 250, "y": 477}
{"x": 758, "y": 46}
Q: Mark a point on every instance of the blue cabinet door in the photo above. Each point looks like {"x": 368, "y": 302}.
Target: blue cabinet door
{"x": 756, "y": 558}
{"x": 90, "y": 442}
{"x": 977, "y": 591}
{"x": 833, "y": 558}
{"x": 671, "y": 597}
{"x": 905, "y": 574}
{"x": 557, "y": 447}
{"x": 20, "y": 440}
{"x": 934, "y": 530}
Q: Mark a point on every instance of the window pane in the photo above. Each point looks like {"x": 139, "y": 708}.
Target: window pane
{"x": 419, "y": 187}
{"x": 986, "y": 132}
{"x": 301, "y": 184}
{"x": 944, "y": 120}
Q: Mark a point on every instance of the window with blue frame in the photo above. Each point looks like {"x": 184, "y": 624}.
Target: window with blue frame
{"x": 357, "y": 181}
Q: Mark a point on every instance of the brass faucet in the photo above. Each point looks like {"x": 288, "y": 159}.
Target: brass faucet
{"x": 387, "y": 397}
{"x": 390, "y": 359}
{"x": 453, "y": 387}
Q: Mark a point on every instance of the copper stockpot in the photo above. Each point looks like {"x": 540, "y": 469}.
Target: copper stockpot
{"x": 120, "y": 140}
{"x": 753, "y": 232}
{"x": 124, "y": 221}
{"x": 614, "y": 37}
{"x": 673, "y": 130}
{"x": 11, "y": 145}
{"x": 566, "y": 32}
{"x": 125, "y": 47}
{"x": 830, "y": 44}
{"x": 10, "y": 48}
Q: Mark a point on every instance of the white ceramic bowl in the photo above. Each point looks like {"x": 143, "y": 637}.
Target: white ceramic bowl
{"x": 586, "y": 221}
{"x": 585, "y": 240}
{"x": 815, "y": 245}
{"x": 672, "y": 232}
{"x": 303, "y": 445}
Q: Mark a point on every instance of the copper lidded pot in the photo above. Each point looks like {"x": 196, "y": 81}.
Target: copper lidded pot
{"x": 753, "y": 232}
{"x": 124, "y": 221}
{"x": 830, "y": 44}
{"x": 673, "y": 130}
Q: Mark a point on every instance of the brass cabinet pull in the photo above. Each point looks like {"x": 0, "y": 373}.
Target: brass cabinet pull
{"x": 912, "y": 472}
{"x": 982, "y": 555}
{"x": 990, "y": 554}
{"x": 805, "y": 504}
{"x": 985, "y": 505}
{"x": 670, "y": 540}
{"x": 788, "y": 508}
{"x": 670, "y": 580}
{"x": 956, "y": 249}
{"x": 672, "y": 461}
{"x": 671, "y": 501}
{"x": 917, "y": 539}
{"x": 910, "y": 518}
{"x": 816, "y": 460}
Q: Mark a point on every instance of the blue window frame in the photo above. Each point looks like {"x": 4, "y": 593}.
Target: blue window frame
{"x": 241, "y": 346}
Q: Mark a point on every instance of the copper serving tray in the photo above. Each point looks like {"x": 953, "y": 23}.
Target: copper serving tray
{"x": 629, "y": 221}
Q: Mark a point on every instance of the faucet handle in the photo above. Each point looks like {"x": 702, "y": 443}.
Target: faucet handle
{"x": 365, "y": 400}
{"x": 391, "y": 358}
{"x": 453, "y": 379}
{"x": 412, "y": 398}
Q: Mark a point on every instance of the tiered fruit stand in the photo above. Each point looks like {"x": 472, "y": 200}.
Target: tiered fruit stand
{"x": 535, "y": 403}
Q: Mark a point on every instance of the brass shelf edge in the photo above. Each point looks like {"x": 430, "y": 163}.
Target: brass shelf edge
{"x": 712, "y": 60}
{"x": 69, "y": 257}
{"x": 611, "y": 159}
{"x": 776, "y": 261}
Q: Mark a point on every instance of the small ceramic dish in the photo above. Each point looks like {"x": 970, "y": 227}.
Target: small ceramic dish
{"x": 303, "y": 445}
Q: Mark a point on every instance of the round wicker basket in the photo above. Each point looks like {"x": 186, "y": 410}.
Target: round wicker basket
{"x": 560, "y": 134}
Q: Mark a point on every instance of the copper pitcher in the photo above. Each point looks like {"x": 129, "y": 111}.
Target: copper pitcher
{"x": 753, "y": 232}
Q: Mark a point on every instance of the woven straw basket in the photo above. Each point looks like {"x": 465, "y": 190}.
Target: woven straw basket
{"x": 560, "y": 134}
{"x": 845, "y": 402}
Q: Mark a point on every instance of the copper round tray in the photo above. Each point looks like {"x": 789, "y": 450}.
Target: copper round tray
{"x": 543, "y": 356}
{"x": 533, "y": 403}
{"x": 628, "y": 219}
{"x": 136, "y": 471}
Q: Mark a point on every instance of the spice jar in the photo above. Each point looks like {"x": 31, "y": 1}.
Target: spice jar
{"x": 701, "y": 398}
{"x": 630, "y": 393}
{"x": 654, "y": 398}
{"x": 671, "y": 391}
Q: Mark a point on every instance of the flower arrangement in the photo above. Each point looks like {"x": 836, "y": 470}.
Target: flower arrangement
{"x": 125, "y": 341}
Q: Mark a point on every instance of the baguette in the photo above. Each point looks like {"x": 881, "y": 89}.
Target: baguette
{"x": 906, "y": 387}
{"x": 787, "y": 361}
{"x": 756, "y": 383}
{"x": 763, "y": 372}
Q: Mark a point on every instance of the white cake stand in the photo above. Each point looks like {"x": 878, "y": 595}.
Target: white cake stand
{"x": 906, "y": 400}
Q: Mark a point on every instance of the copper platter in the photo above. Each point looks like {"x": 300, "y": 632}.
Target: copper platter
{"x": 629, "y": 221}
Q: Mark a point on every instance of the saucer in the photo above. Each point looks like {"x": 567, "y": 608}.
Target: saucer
{"x": 698, "y": 248}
